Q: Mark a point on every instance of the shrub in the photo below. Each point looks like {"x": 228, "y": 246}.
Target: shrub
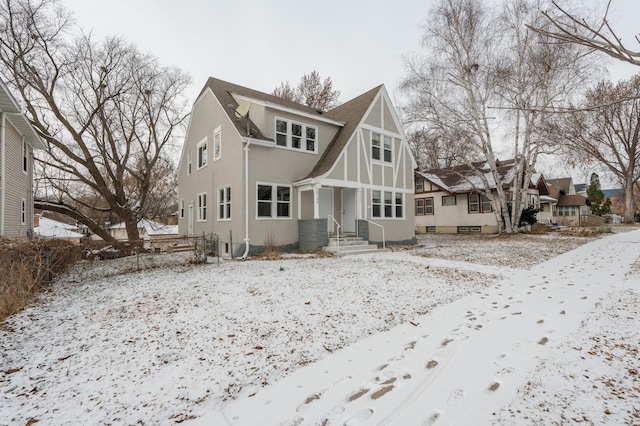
{"x": 25, "y": 268}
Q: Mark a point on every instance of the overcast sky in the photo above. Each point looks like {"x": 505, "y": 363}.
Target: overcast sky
{"x": 260, "y": 43}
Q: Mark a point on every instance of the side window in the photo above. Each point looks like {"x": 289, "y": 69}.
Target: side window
{"x": 217, "y": 144}
{"x": 202, "y": 153}
{"x": 375, "y": 146}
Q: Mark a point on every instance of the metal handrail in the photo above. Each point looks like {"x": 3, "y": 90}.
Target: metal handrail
{"x": 384, "y": 246}
{"x": 337, "y": 231}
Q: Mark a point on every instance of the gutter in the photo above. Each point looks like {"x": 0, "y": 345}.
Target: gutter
{"x": 247, "y": 142}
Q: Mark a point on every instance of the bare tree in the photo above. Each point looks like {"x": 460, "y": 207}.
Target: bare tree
{"x": 597, "y": 35}
{"x": 487, "y": 75}
{"x": 311, "y": 91}
{"x": 605, "y": 128}
{"x": 107, "y": 112}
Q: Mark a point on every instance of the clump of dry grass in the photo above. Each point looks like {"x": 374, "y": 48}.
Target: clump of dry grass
{"x": 271, "y": 251}
{"x": 25, "y": 268}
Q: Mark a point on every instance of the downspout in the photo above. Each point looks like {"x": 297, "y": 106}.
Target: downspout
{"x": 246, "y": 198}
{"x": 3, "y": 172}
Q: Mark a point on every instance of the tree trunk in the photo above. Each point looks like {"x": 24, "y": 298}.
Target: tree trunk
{"x": 629, "y": 200}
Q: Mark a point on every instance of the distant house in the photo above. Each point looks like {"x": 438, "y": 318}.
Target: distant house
{"x": 18, "y": 140}
{"x": 45, "y": 228}
{"x": 563, "y": 206}
{"x": 617, "y": 200}
{"x": 258, "y": 170}
{"x": 451, "y": 200}
{"x": 148, "y": 230}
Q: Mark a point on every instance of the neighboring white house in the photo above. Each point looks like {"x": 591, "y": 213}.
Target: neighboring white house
{"x": 148, "y": 230}
{"x": 451, "y": 200}
{"x": 257, "y": 170}
{"x": 18, "y": 139}
{"x": 45, "y": 228}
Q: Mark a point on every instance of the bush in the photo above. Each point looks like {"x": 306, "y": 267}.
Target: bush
{"x": 25, "y": 268}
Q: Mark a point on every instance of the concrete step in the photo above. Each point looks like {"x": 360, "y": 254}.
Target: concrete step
{"x": 350, "y": 241}
{"x": 352, "y": 249}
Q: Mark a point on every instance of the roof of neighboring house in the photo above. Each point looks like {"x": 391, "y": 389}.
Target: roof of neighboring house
{"x": 10, "y": 106}
{"x": 611, "y": 193}
{"x": 573, "y": 200}
{"x": 351, "y": 113}
{"x": 563, "y": 183}
{"x": 49, "y": 228}
{"x": 464, "y": 178}
{"x": 151, "y": 227}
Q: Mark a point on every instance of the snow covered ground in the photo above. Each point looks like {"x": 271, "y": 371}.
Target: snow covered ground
{"x": 463, "y": 330}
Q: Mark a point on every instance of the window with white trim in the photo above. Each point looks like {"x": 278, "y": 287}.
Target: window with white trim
{"x": 388, "y": 204}
{"x": 217, "y": 144}
{"x": 202, "y": 153}
{"x": 376, "y": 204}
{"x": 25, "y": 157}
{"x": 296, "y": 136}
{"x": 566, "y": 210}
{"x": 23, "y": 211}
{"x": 273, "y": 201}
{"x": 375, "y": 146}
{"x": 224, "y": 203}
{"x": 189, "y": 162}
{"x": 398, "y": 205}
{"x": 202, "y": 207}
{"x": 181, "y": 209}
{"x": 388, "y": 149}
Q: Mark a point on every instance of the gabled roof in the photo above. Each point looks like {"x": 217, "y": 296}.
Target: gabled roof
{"x": 10, "y": 106}
{"x": 224, "y": 91}
{"x": 351, "y": 113}
{"x": 464, "y": 178}
{"x": 563, "y": 183}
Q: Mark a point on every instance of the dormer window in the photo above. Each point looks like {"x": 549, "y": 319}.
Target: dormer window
{"x": 298, "y": 136}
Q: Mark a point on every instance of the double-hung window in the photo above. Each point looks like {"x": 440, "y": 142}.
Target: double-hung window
{"x": 388, "y": 204}
{"x": 376, "y": 204}
{"x": 428, "y": 205}
{"x": 189, "y": 162}
{"x": 375, "y": 146}
{"x": 479, "y": 203}
{"x": 388, "y": 148}
{"x": 181, "y": 209}
{"x": 419, "y": 185}
{"x": 202, "y": 153}
{"x": 296, "y": 136}
{"x": 398, "y": 205}
{"x": 224, "y": 203}
{"x": 419, "y": 206}
{"x": 202, "y": 207}
{"x": 273, "y": 201}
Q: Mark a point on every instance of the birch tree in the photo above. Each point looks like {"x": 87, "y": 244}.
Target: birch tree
{"x": 107, "y": 113}
{"x": 485, "y": 75}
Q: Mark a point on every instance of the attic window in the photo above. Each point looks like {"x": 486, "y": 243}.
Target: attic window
{"x": 378, "y": 150}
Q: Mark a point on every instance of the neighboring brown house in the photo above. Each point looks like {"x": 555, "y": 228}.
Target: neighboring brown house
{"x": 563, "y": 206}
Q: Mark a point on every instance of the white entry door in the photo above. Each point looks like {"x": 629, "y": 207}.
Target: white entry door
{"x": 325, "y": 206}
{"x": 349, "y": 210}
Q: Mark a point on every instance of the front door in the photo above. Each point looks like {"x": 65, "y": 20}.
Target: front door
{"x": 349, "y": 210}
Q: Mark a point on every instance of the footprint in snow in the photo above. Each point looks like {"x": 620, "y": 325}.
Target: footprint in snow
{"x": 305, "y": 405}
{"x": 454, "y": 397}
{"x": 432, "y": 419}
{"x": 293, "y": 422}
{"x": 360, "y": 417}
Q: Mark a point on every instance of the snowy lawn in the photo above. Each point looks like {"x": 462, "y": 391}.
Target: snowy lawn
{"x": 165, "y": 345}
